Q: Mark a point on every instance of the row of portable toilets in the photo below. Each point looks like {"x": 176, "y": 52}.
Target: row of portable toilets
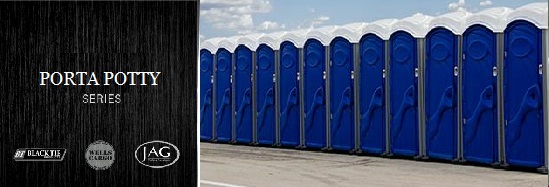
{"x": 459, "y": 87}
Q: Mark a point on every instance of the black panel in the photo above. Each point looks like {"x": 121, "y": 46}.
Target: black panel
{"x": 97, "y": 37}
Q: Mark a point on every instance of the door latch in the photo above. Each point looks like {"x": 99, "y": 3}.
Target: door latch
{"x": 384, "y": 72}
{"x": 416, "y": 72}
{"x": 456, "y": 71}
{"x": 495, "y": 71}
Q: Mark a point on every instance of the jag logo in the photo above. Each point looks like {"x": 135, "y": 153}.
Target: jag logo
{"x": 39, "y": 154}
{"x": 157, "y": 154}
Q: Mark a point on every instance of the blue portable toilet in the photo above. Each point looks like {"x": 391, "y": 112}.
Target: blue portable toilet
{"x": 480, "y": 86}
{"x": 206, "y": 88}
{"x": 314, "y": 88}
{"x": 243, "y": 88}
{"x": 443, "y": 57}
{"x": 265, "y": 85}
{"x": 290, "y": 88}
{"x": 223, "y": 81}
{"x": 352, "y": 32}
{"x": 525, "y": 133}
{"x": 372, "y": 118}
{"x": 342, "y": 117}
{"x": 406, "y": 85}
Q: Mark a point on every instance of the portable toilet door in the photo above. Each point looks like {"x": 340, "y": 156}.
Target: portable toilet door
{"x": 523, "y": 99}
{"x": 289, "y": 94}
{"x": 441, "y": 94}
{"x": 206, "y": 91}
{"x": 479, "y": 95}
{"x": 523, "y": 87}
{"x": 371, "y": 52}
{"x": 404, "y": 88}
{"x": 265, "y": 70}
{"x": 371, "y": 93}
{"x": 223, "y": 95}
{"x": 482, "y": 86}
{"x": 341, "y": 94}
{"x": 407, "y": 55}
{"x": 443, "y": 86}
{"x": 314, "y": 93}
{"x": 243, "y": 94}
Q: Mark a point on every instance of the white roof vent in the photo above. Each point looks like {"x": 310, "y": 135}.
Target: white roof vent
{"x": 350, "y": 31}
{"x": 534, "y": 12}
{"x": 324, "y": 34}
{"x": 250, "y": 40}
{"x": 297, "y": 37}
{"x": 493, "y": 18}
{"x": 211, "y": 44}
{"x": 272, "y": 39}
{"x": 454, "y": 21}
{"x": 417, "y": 25}
{"x": 228, "y": 43}
{"x": 381, "y": 28}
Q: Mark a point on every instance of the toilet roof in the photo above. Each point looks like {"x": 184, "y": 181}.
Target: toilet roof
{"x": 417, "y": 25}
{"x": 493, "y": 18}
{"x": 534, "y": 12}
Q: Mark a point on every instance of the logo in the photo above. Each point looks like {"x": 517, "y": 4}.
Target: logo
{"x": 157, "y": 154}
{"x": 39, "y": 154}
{"x": 100, "y": 155}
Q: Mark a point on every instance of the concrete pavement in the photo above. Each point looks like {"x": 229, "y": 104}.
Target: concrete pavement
{"x": 238, "y": 165}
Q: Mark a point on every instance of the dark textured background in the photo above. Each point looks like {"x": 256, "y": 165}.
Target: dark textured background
{"x": 98, "y": 37}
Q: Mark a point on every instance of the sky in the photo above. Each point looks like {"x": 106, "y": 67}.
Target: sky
{"x": 222, "y": 18}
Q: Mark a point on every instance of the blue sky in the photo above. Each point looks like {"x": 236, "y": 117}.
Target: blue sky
{"x": 232, "y": 17}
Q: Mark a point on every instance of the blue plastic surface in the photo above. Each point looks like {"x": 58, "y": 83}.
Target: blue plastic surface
{"x": 372, "y": 108}
{"x": 206, "y": 91}
{"x": 479, "y": 95}
{"x": 223, "y": 95}
{"x": 524, "y": 141}
{"x": 314, "y": 94}
{"x": 289, "y": 94}
{"x": 265, "y": 95}
{"x": 341, "y": 94}
{"x": 403, "y": 95}
{"x": 441, "y": 94}
{"x": 243, "y": 95}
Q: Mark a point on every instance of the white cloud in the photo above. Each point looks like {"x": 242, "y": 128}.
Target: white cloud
{"x": 459, "y": 6}
{"x": 486, "y": 3}
{"x": 270, "y": 25}
{"x": 323, "y": 18}
{"x": 319, "y": 21}
{"x": 234, "y": 15}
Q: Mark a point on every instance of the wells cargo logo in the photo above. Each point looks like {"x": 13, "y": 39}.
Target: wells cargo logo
{"x": 100, "y": 155}
{"x": 157, "y": 154}
{"x": 39, "y": 154}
